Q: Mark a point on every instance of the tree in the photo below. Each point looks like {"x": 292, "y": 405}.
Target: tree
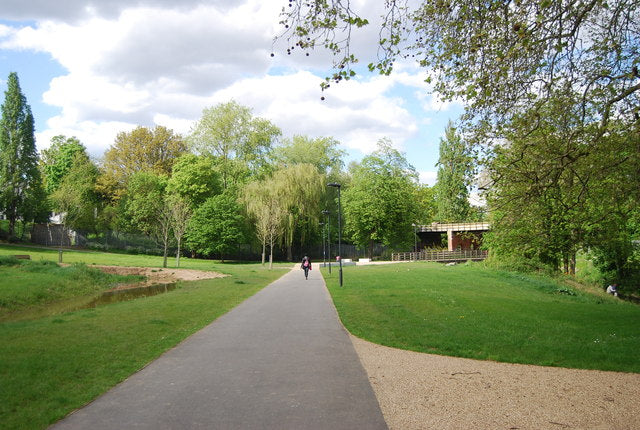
{"x": 75, "y": 196}
{"x": 216, "y": 226}
{"x": 322, "y": 152}
{"x": 195, "y": 178}
{"x": 229, "y": 132}
{"x": 455, "y": 171}
{"x": 301, "y": 189}
{"x": 379, "y": 205}
{"x": 265, "y": 206}
{"x": 180, "y": 215}
{"x": 142, "y": 149}
{"x": 56, "y": 160}
{"x": 20, "y": 181}
{"x": 147, "y": 209}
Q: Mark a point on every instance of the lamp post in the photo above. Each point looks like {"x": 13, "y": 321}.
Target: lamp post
{"x": 338, "y": 186}
{"x": 326, "y": 213}
{"x": 415, "y": 238}
{"x": 324, "y": 255}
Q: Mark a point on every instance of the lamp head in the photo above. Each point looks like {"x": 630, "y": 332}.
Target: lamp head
{"x": 334, "y": 184}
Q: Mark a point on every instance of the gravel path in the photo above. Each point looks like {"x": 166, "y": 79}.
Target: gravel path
{"x": 424, "y": 391}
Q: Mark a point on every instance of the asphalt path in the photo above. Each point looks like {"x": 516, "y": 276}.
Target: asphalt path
{"x": 280, "y": 360}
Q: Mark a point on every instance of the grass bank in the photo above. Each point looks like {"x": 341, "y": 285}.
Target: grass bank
{"x": 28, "y": 284}
{"x": 53, "y": 365}
{"x": 471, "y": 311}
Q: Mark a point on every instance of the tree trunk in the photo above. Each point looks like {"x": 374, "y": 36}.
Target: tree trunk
{"x": 264, "y": 246}
{"x": 370, "y": 251}
{"x": 178, "y": 255}
{"x": 164, "y": 254}
{"x": 572, "y": 263}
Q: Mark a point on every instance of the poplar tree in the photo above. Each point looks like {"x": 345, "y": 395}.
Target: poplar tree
{"x": 20, "y": 182}
{"x": 454, "y": 178}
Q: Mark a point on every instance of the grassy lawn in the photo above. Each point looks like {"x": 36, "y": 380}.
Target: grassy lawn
{"x": 50, "y": 366}
{"x": 470, "y": 311}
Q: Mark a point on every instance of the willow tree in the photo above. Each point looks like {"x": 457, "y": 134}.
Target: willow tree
{"x": 301, "y": 188}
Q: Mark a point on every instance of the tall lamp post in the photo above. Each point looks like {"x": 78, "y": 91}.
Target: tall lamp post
{"x": 324, "y": 255}
{"x": 326, "y": 213}
{"x": 338, "y": 186}
{"x": 415, "y": 238}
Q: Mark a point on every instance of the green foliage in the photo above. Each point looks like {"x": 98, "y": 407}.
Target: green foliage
{"x": 240, "y": 141}
{"x": 379, "y": 204}
{"x": 75, "y": 195}
{"x": 143, "y": 149}
{"x": 195, "y": 178}
{"x": 471, "y": 311}
{"x": 144, "y": 201}
{"x": 58, "y": 159}
{"x": 321, "y": 152}
{"x": 21, "y": 193}
{"x": 216, "y": 227}
{"x": 455, "y": 172}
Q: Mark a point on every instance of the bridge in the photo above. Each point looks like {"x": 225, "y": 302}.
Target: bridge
{"x": 442, "y": 256}
{"x": 460, "y": 236}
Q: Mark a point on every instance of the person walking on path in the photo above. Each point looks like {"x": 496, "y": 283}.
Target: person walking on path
{"x": 306, "y": 266}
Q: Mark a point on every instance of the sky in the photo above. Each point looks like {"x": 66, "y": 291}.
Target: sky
{"x": 94, "y": 68}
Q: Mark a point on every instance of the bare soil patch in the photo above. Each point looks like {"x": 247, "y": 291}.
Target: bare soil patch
{"x": 425, "y": 391}
{"x": 158, "y": 276}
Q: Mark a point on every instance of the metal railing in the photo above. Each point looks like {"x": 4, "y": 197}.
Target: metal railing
{"x": 459, "y": 255}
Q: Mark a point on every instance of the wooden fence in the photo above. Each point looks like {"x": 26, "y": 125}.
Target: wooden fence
{"x": 444, "y": 256}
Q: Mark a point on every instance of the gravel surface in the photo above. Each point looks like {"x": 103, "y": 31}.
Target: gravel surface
{"x": 425, "y": 391}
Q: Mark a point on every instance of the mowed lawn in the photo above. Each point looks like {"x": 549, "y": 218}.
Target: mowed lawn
{"x": 471, "y": 311}
{"x": 50, "y": 366}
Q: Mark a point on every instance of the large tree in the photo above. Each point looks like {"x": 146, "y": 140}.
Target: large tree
{"x": 216, "y": 227}
{"x": 455, "y": 170}
{"x": 322, "y": 152}
{"x": 195, "y": 178}
{"x": 57, "y": 160}
{"x": 20, "y": 180}
{"x": 379, "y": 205}
{"x": 142, "y": 149}
{"x": 241, "y": 141}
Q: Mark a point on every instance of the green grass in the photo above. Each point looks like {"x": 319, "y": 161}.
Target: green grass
{"x": 27, "y": 284}
{"x": 470, "y": 311}
{"x": 50, "y": 366}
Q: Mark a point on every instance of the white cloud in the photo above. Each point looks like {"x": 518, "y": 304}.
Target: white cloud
{"x": 428, "y": 177}
{"x": 150, "y": 62}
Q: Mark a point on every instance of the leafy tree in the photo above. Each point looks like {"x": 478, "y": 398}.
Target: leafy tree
{"x": 143, "y": 149}
{"x": 147, "y": 208}
{"x": 321, "y": 152}
{"x": 57, "y": 160}
{"x": 379, "y": 205}
{"x": 455, "y": 171}
{"x": 195, "y": 179}
{"x": 216, "y": 226}
{"x": 20, "y": 181}
{"x": 264, "y": 205}
{"x": 301, "y": 189}
{"x": 425, "y": 198}
{"x": 229, "y": 132}
{"x": 180, "y": 215}
{"x": 75, "y": 196}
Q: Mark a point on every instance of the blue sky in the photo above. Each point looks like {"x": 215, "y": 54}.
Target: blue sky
{"x": 92, "y": 69}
